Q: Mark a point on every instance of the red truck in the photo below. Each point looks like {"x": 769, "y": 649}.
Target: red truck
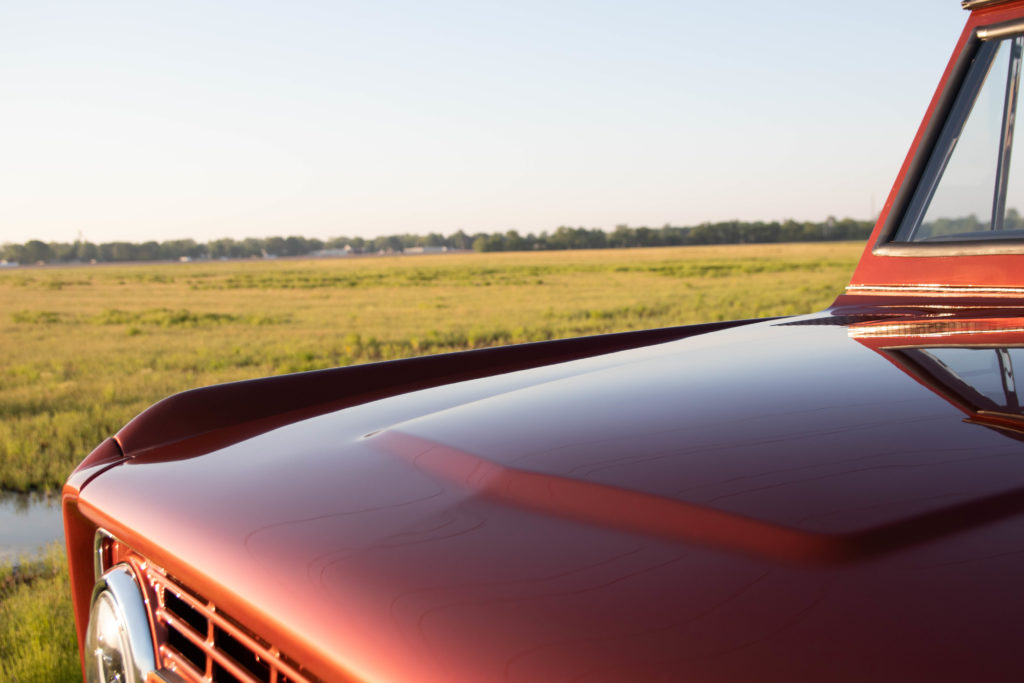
{"x": 834, "y": 496}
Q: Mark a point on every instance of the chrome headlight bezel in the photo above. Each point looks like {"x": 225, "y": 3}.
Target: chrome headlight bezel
{"x": 118, "y": 641}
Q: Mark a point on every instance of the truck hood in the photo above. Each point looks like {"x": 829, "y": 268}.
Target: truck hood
{"x": 764, "y": 495}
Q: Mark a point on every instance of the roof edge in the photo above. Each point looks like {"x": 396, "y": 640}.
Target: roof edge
{"x": 979, "y": 4}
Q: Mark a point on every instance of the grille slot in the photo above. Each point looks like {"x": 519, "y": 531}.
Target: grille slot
{"x": 181, "y": 609}
{"x": 242, "y": 655}
{"x": 192, "y": 653}
{"x": 202, "y": 644}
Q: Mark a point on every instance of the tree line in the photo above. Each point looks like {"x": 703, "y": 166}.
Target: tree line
{"x": 564, "y": 237}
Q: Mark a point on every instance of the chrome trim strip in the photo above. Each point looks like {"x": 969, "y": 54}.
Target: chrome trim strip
{"x": 997, "y": 31}
{"x": 935, "y": 288}
{"x": 99, "y": 549}
{"x": 934, "y": 329}
{"x": 978, "y": 4}
{"x": 980, "y": 247}
{"x": 1017, "y": 417}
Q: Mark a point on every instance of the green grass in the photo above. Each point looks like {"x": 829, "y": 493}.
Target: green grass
{"x": 84, "y": 349}
{"x": 37, "y": 628}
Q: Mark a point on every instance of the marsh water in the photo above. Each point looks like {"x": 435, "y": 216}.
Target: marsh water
{"x": 28, "y": 521}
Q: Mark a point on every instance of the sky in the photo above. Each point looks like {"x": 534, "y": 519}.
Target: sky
{"x": 142, "y": 121}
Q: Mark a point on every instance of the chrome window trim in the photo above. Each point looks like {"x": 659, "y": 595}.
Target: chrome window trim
{"x": 960, "y": 248}
{"x": 1001, "y": 30}
{"x": 1006, "y": 134}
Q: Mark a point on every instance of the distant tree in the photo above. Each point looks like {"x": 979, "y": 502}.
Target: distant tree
{"x": 173, "y": 250}
{"x": 252, "y": 246}
{"x": 761, "y": 232}
{"x": 294, "y": 246}
{"x": 408, "y": 240}
{"x": 596, "y": 239}
{"x": 560, "y": 238}
{"x": 274, "y": 246}
{"x": 86, "y": 251}
{"x": 220, "y": 248}
{"x": 495, "y": 242}
{"x": 1013, "y": 220}
{"x": 14, "y": 253}
{"x": 388, "y": 244}
{"x": 673, "y": 236}
{"x": 147, "y": 251}
{"x": 812, "y": 232}
{"x": 790, "y": 231}
{"x": 36, "y": 251}
{"x": 513, "y": 242}
{"x": 123, "y": 251}
{"x": 460, "y": 240}
{"x": 622, "y": 237}
{"x": 62, "y": 252}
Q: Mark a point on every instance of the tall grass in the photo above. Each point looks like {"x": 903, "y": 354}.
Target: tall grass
{"x": 37, "y": 628}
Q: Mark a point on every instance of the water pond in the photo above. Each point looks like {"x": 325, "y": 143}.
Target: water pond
{"x": 28, "y": 521}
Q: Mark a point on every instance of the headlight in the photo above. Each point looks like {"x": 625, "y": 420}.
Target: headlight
{"x": 118, "y": 643}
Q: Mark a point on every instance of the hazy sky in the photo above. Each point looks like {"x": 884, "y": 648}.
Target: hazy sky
{"x": 162, "y": 120}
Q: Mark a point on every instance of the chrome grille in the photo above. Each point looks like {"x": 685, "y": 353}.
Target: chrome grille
{"x": 202, "y": 644}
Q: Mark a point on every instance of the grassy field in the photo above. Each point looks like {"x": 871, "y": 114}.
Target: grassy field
{"x": 86, "y": 348}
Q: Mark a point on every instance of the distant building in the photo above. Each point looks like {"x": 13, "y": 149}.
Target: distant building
{"x": 332, "y": 253}
{"x": 426, "y": 250}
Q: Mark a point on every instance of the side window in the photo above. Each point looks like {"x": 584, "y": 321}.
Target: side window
{"x": 973, "y": 185}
